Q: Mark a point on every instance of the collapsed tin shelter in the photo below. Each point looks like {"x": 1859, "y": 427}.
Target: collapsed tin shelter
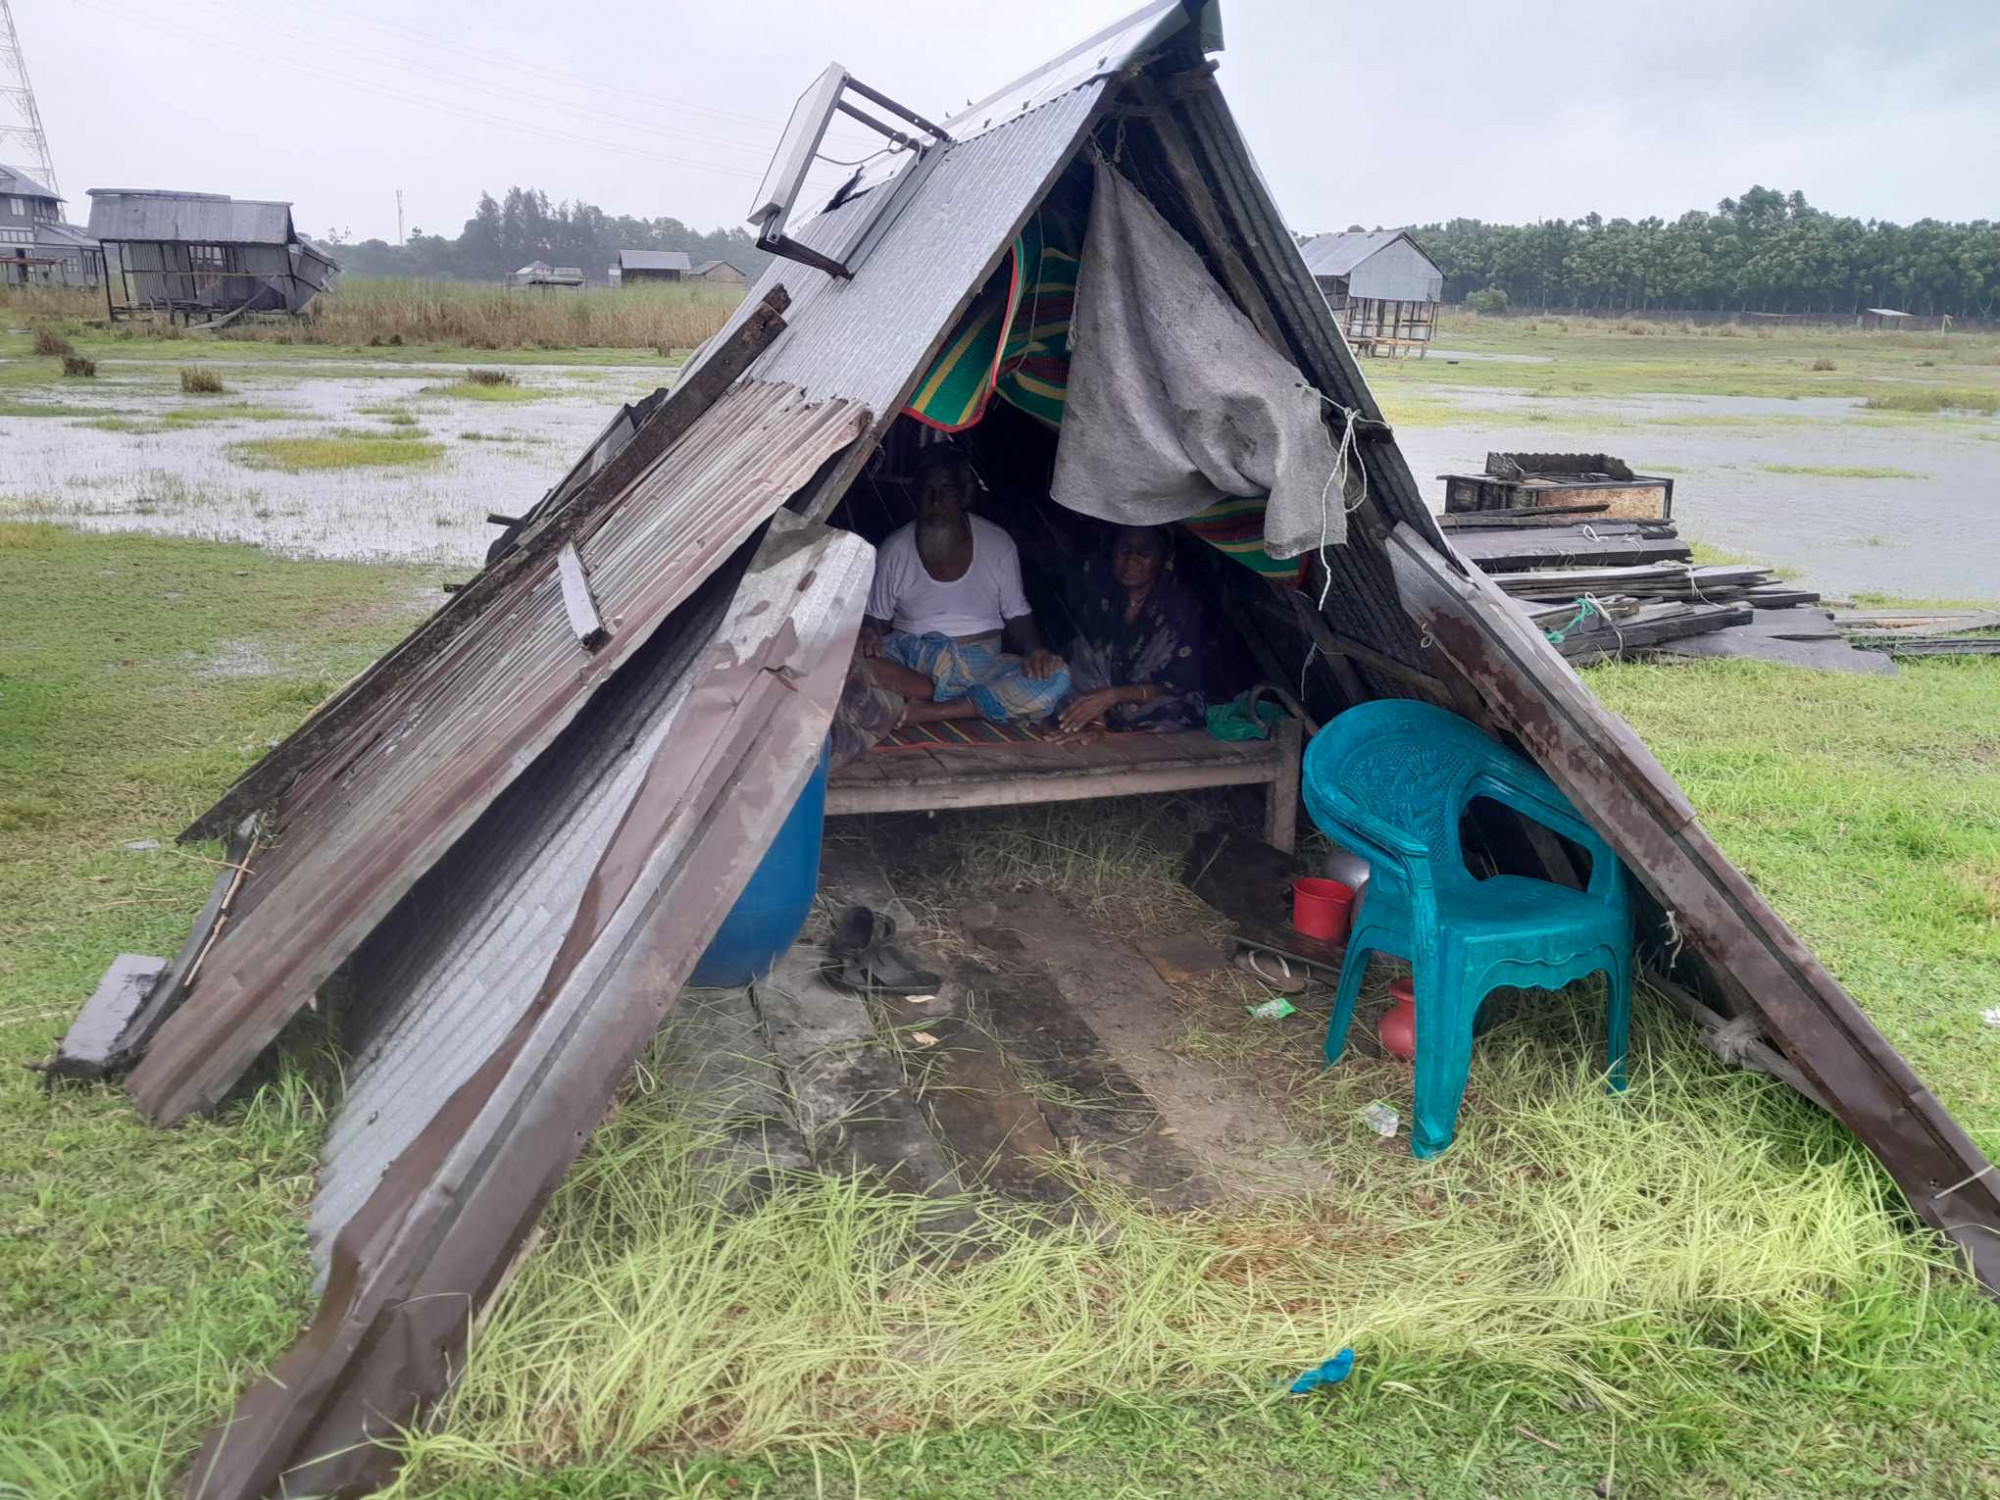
{"x": 203, "y": 256}
{"x": 519, "y": 830}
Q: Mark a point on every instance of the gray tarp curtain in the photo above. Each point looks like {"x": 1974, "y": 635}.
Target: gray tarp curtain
{"x": 1175, "y": 401}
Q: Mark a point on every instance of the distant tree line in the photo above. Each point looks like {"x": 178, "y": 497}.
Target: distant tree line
{"x": 1766, "y": 251}
{"x": 504, "y": 234}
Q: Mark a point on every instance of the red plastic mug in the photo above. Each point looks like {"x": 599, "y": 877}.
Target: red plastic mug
{"x": 1321, "y": 908}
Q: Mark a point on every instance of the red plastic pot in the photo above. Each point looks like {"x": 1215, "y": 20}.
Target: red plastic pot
{"x": 1398, "y": 1028}
{"x": 1322, "y": 908}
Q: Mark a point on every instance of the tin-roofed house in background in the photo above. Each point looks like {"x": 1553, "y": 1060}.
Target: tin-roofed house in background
{"x": 539, "y": 275}
{"x": 643, "y": 267}
{"x": 718, "y": 273}
{"x": 1383, "y": 289}
{"x": 36, "y": 247}
{"x": 203, "y": 257}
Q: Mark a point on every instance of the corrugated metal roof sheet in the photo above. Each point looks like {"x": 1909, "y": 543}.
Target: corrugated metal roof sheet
{"x": 436, "y": 1229}
{"x": 655, "y": 260}
{"x": 64, "y": 236}
{"x": 866, "y": 337}
{"x": 1338, "y": 254}
{"x": 445, "y": 978}
{"x": 196, "y": 218}
{"x": 1098, "y": 56}
{"x": 360, "y": 828}
{"x": 16, "y": 180}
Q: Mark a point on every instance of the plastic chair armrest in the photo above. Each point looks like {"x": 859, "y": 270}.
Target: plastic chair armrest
{"x": 1558, "y": 817}
{"x": 1383, "y": 840}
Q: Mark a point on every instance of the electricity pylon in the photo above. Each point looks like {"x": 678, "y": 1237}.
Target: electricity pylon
{"x": 22, "y": 138}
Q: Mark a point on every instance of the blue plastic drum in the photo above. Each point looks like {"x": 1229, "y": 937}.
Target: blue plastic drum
{"x": 768, "y": 917}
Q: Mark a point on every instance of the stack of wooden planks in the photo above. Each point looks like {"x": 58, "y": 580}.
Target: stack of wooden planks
{"x": 1600, "y": 586}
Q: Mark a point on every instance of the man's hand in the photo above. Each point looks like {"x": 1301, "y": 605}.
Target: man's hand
{"x": 1086, "y": 709}
{"x": 1042, "y": 664}
{"x": 869, "y": 643}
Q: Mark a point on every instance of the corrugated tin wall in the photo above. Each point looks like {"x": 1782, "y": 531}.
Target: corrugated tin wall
{"x": 1397, "y": 273}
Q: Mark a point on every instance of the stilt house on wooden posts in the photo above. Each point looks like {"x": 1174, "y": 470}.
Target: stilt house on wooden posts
{"x": 1383, "y": 289}
{"x": 518, "y": 831}
{"x": 36, "y": 247}
{"x": 203, "y": 257}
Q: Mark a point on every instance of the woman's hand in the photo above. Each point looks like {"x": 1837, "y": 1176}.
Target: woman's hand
{"x": 1086, "y": 709}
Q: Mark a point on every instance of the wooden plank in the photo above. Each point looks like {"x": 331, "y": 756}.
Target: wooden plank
{"x": 335, "y": 721}
{"x": 1281, "y": 802}
{"x": 1765, "y": 971}
{"x": 843, "y": 799}
{"x": 577, "y": 602}
{"x": 1216, "y": 238}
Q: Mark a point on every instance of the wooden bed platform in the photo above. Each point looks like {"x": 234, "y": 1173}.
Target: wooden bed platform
{"x": 1118, "y": 765}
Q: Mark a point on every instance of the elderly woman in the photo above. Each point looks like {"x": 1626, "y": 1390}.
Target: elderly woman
{"x": 1141, "y": 652}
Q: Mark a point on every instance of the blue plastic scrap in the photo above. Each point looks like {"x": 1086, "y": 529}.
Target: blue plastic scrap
{"x": 1331, "y": 1373}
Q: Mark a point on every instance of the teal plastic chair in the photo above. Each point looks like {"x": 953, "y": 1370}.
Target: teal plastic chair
{"x": 1390, "y": 780}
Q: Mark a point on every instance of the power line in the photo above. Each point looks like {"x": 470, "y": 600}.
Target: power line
{"x": 181, "y": 31}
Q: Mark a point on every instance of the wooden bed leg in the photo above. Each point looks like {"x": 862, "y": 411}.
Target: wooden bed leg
{"x": 1281, "y": 799}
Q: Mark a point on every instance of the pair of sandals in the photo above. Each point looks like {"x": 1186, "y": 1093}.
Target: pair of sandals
{"x": 866, "y": 961}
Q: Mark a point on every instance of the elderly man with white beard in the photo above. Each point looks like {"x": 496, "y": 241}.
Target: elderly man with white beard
{"x": 948, "y": 630}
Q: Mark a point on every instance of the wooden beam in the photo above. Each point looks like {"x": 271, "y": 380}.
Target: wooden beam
{"x": 1221, "y": 245}
{"x": 264, "y": 783}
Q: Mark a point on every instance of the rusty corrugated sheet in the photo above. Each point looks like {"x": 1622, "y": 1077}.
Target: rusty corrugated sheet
{"x": 432, "y": 1238}
{"x": 359, "y": 828}
{"x": 444, "y": 978}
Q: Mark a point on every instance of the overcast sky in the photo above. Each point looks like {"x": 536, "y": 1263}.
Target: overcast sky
{"x": 1358, "y": 114}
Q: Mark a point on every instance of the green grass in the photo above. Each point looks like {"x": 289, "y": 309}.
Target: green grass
{"x": 142, "y": 1273}
{"x": 1597, "y": 357}
{"x": 10, "y": 408}
{"x": 1836, "y": 471}
{"x": 183, "y": 417}
{"x": 400, "y": 448}
{"x": 469, "y": 389}
{"x": 1698, "y": 1287}
{"x": 1868, "y": 810}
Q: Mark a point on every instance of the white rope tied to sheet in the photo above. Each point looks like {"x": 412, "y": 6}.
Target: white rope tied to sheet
{"x": 1346, "y": 459}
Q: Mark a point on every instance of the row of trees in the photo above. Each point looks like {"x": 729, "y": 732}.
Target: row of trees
{"x": 1766, "y": 251}
{"x": 525, "y": 225}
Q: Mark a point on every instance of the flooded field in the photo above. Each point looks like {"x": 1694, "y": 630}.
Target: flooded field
{"x": 369, "y": 461}
{"x": 374, "y": 460}
{"x": 1853, "y": 500}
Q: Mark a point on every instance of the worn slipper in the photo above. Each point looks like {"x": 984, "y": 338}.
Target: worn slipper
{"x": 859, "y": 928}
{"x": 883, "y": 970}
{"x": 1273, "y": 970}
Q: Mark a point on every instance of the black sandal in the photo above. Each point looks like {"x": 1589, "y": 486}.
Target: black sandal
{"x": 867, "y": 961}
